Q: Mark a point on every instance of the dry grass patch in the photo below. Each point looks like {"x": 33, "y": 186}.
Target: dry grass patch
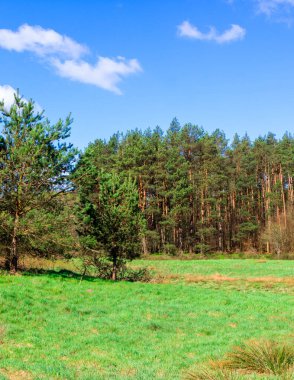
{"x": 129, "y": 372}
{"x": 161, "y": 278}
{"x": 2, "y": 334}
{"x": 217, "y": 277}
{"x": 207, "y": 373}
{"x": 261, "y": 261}
{"x": 16, "y": 375}
{"x": 272, "y": 280}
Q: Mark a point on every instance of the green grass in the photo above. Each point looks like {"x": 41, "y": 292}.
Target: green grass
{"x": 54, "y": 327}
{"x": 232, "y": 268}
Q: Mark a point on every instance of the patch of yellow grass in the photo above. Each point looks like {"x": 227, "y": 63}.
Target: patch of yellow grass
{"x": 266, "y": 280}
{"x": 272, "y": 279}
{"x": 213, "y": 277}
{"x": 129, "y": 372}
{"x": 16, "y": 375}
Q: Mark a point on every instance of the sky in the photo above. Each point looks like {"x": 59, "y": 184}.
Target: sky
{"x": 118, "y": 65}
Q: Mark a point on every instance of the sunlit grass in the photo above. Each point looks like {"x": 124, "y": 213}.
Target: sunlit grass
{"x": 54, "y": 327}
{"x": 231, "y": 268}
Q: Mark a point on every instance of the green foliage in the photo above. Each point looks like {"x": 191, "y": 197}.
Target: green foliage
{"x": 197, "y": 193}
{"x": 170, "y": 249}
{"x": 102, "y": 267}
{"x": 135, "y": 275}
{"x": 35, "y": 162}
{"x": 111, "y": 224}
{"x": 41, "y": 232}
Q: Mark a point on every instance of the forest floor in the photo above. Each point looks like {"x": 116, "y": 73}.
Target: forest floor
{"x": 55, "y": 326}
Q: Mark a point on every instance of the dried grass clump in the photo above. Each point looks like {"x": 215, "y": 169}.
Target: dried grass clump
{"x": 267, "y": 357}
{"x": 207, "y": 373}
{"x": 263, "y": 359}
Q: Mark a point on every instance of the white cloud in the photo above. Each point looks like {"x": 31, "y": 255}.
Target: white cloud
{"x": 65, "y": 55}
{"x": 7, "y": 96}
{"x": 270, "y": 6}
{"x": 235, "y": 33}
{"x": 106, "y": 73}
{"x": 40, "y": 41}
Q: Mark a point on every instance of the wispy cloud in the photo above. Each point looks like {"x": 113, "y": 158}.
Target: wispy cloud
{"x": 66, "y": 56}
{"x": 234, "y": 33}
{"x": 106, "y": 73}
{"x": 7, "y": 96}
{"x": 40, "y": 41}
{"x": 271, "y": 6}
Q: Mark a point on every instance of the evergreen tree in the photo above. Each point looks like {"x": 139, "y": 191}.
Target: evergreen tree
{"x": 35, "y": 164}
{"x": 195, "y": 193}
{"x": 110, "y": 220}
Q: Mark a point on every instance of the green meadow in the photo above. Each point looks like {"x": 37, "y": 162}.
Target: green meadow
{"x": 57, "y": 326}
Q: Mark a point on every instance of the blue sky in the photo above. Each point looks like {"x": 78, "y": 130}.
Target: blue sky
{"x": 126, "y": 64}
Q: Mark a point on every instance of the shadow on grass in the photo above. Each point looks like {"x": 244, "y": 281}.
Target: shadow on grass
{"x": 64, "y": 273}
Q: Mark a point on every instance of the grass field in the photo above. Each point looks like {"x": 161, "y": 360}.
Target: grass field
{"x": 56, "y": 327}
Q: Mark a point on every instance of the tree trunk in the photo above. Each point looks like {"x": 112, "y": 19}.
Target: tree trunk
{"x": 11, "y": 261}
{"x": 283, "y": 197}
{"x": 144, "y": 246}
{"x": 114, "y": 268}
{"x": 14, "y": 264}
{"x": 11, "y": 257}
{"x": 7, "y": 259}
{"x": 14, "y": 254}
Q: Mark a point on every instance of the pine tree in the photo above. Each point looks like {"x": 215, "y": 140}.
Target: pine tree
{"x": 35, "y": 164}
{"x": 110, "y": 220}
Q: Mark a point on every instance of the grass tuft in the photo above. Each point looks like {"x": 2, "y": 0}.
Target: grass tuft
{"x": 262, "y": 357}
{"x": 207, "y": 373}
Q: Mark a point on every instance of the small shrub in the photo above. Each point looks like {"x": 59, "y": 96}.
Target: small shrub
{"x": 170, "y": 249}
{"x": 262, "y": 357}
{"x": 135, "y": 275}
{"x": 102, "y": 268}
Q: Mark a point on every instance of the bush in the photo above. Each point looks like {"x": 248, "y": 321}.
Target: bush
{"x": 135, "y": 275}
{"x": 102, "y": 268}
{"x": 170, "y": 249}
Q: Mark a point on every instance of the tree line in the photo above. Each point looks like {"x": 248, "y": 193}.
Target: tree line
{"x": 182, "y": 191}
{"x": 199, "y": 194}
